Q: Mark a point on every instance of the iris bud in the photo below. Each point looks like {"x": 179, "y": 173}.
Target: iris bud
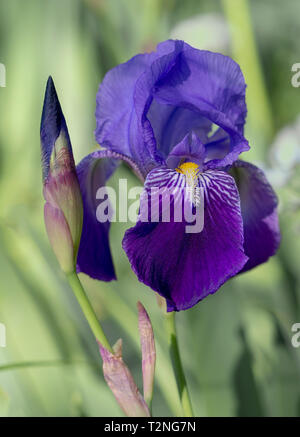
{"x": 63, "y": 212}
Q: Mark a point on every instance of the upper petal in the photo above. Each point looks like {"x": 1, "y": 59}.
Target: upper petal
{"x": 213, "y": 86}
{"x": 190, "y": 148}
{"x": 259, "y": 212}
{"x": 149, "y": 104}
{"x": 118, "y": 127}
{"x": 171, "y": 124}
{"x": 186, "y": 267}
{"x": 189, "y": 89}
{"x": 217, "y": 148}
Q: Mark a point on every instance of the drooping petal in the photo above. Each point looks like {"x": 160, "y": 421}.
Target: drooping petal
{"x": 259, "y": 212}
{"x": 94, "y": 257}
{"x": 184, "y": 267}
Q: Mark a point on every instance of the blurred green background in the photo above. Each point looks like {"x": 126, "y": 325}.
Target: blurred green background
{"x": 236, "y": 345}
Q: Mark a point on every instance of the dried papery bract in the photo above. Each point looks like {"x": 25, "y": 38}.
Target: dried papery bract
{"x": 148, "y": 352}
{"x": 120, "y": 381}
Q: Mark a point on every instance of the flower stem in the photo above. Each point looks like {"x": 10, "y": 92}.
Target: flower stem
{"x": 244, "y": 50}
{"x": 177, "y": 366}
{"x": 88, "y": 310}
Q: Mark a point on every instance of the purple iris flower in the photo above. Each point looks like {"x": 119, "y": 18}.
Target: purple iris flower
{"x": 177, "y": 115}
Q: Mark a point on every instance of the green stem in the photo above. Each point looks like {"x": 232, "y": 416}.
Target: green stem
{"x": 177, "y": 366}
{"x": 88, "y": 310}
{"x": 244, "y": 50}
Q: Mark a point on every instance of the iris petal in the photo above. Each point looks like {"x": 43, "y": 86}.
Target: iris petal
{"x": 146, "y": 106}
{"x": 186, "y": 267}
{"x": 118, "y": 127}
{"x": 217, "y": 148}
{"x": 190, "y": 148}
{"x": 259, "y": 212}
{"x": 172, "y": 123}
{"x": 213, "y": 86}
{"x": 94, "y": 257}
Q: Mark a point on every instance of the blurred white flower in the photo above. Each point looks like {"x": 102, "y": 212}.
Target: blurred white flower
{"x": 284, "y": 154}
{"x": 206, "y": 31}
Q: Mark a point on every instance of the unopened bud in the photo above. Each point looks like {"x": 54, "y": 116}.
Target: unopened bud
{"x": 63, "y": 208}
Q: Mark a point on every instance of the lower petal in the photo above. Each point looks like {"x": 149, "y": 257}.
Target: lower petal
{"x": 94, "y": 257}
{"x": 186, "y": 267}
{"x": 259, "y": 212}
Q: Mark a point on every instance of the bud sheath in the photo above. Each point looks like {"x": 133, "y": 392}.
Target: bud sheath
{"x": 148, "y": 352}
{"x": 120, "y": 381}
